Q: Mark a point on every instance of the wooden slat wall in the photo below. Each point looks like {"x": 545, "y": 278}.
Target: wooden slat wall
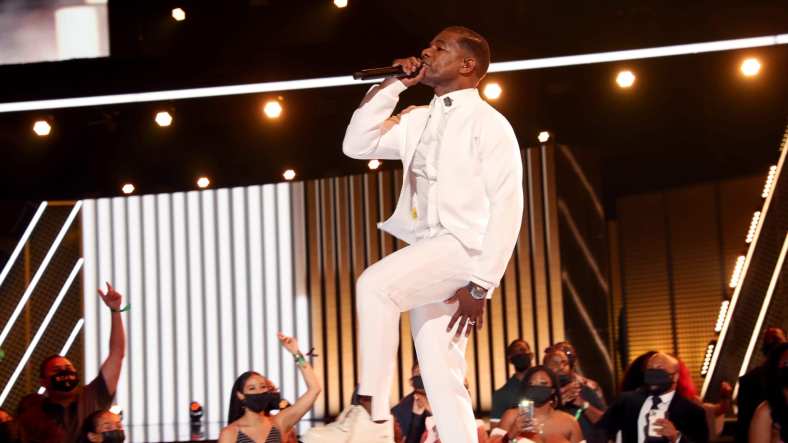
{"x": 339, "y": 217}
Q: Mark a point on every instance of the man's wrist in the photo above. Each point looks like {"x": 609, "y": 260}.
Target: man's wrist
{"x": 477, "y": 292}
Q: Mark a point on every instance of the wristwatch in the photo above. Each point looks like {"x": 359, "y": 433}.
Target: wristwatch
{"x": 477, "y": 292}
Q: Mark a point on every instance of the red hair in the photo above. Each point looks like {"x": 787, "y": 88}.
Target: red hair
{"x": 685, "y": 386}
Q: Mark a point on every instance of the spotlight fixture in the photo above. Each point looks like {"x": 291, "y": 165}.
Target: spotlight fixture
{"x": 340, "y": 3}
{"x": 767, "y": 187}
{"x": 737, "y": 269}
{"x": 374, "y": 164}
{"x": 289, "y": 174}
{"x": 492, "y": 90}
{"x": 203, "y": 182}
{"x": 750, "y": 67}
{"x": 163, "y": 118}
{"x": 756, "y": 217}
{"x": 543, "y": 137}
{"x": 179, "y": 14}
{"x": 42, "y": 128}
{"x": 707, "y": 358}
{"x": 625, "y": 79}
{"x": 272, "y": 109}
{"x": 721, "y": 316}
{"x": 128, "y": 188}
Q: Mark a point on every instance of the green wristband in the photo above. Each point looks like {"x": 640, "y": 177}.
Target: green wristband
{"x": 123, "y": 309}
{"x": 300, "y": 360}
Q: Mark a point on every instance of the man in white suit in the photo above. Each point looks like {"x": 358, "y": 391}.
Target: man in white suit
{"x": 460, "y": 210}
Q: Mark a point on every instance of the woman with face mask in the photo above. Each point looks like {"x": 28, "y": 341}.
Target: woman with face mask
{"x": 549, "y": 425}
{"x": 254, "y": 397}
{"x": 102, "y": 426}
{"x": 770, "y": 422}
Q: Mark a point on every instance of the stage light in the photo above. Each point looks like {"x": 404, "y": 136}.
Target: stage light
{"x": 543, "y": 137}
{"x": 289, "y": 174}
{"x": 272, "y": 109}
{"x": 625, "y": 79}
{"x": 750, "y": 67}
{"x": 707, "y": 358}
{"x": 737, "y": 272}
{"x": 203, "y": 182}
{"x": 721, "y": 316}
{"x": 128, "y": 188}
{"x": 767, "y": 187}
{"x": 179, "y": 14}
{"x": 163, "y": 118}
{"x": 492, "y": 90}
{"x": 42, "y": 128}
{"x": 756, "y": 217}
{"x": 340, "y": 3}
{"x": 374, "y": 164}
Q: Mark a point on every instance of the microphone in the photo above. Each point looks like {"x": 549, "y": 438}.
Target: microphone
{"x": 389, "y": 71}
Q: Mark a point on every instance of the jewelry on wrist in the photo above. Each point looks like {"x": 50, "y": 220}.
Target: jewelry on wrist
{"x": 123, "y": 309}
{"x": 300, "y": 360}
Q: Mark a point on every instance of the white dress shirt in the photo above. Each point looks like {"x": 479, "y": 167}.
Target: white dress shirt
{"x": 663, "y": 407}
{"x": 478, "y": 190}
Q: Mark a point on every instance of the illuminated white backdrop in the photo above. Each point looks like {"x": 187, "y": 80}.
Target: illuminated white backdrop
{"x": 210, "y": 277}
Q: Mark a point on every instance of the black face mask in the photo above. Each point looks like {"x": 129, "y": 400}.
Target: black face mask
{"x": 418, "y": 383}
{"x": 265, "y": 402}
{"x": 657, "y": 381}
{"x": 521, "y": 362}
{"x": 564, "y": 379}
{"x": 117, "y": 436}
{"x": 540, "y": 395}
{"x": 66, "y": 384}
{"x": 767, "y": 347}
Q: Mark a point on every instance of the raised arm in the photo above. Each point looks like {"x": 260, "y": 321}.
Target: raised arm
{"x": 111, "y": 367}
{"x": 370, "y": 134}
{"x": 290, "y": 416}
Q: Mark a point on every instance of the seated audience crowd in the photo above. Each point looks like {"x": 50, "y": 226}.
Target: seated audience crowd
{"x": 552, "y": 402}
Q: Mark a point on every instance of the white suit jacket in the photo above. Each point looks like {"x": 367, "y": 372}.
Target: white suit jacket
{"x": 480, "y": 193}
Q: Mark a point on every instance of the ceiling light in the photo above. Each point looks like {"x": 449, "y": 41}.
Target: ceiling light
{"x": 163, "y": 118}
{"x": 374, "y": 164}
{"x": 42, "y": 128}
{"x": 128, "y": 188}
{"x": 625, "y": 79}
{"x": 272, "y": 109}
{"x": 289, "y": 174}
{"x": 340, "y": 3}
{"x": 179, "y": 14}
{"x": 203, "y": 182}
{"x": 492, "y": 90}
{"x": 750, "y": 67}
{"x": 544, "y": 136}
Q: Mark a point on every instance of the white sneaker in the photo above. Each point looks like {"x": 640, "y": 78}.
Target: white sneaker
{"x": 364, "y": 430}
{"x": 337, "y": 431}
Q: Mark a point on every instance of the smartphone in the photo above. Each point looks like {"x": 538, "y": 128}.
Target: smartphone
{"x": 527, "y": 409}
{"x": 653, "y": 416}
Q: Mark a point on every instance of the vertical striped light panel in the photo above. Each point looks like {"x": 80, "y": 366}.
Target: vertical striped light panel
{"x": 211, "y": 276}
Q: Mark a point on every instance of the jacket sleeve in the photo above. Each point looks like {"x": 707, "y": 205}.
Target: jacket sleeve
{"x": 693, "y": 425}
{"x": 502, "y": 172}
{"x": 367, "y": 137}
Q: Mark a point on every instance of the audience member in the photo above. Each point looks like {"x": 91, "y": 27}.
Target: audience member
{"x": 577, "y": 399}
{"x": 770, "y": 420}
{"x": 752, "y": 385}
{"x": 102, "y": 426}
{"x": 254, "y": 397}
{"x": 656, "y": 409}
{"x": 58, "y": 415}
{"x": 411, "y": 413}
{"x": 549, "y": 423}
{"x": 519, "y": 355}
{"x": 633, "y": 375}
{"x": 574, "y": 365}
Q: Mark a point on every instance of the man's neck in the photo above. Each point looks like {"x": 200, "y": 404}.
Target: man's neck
{"x": 441, "y": 90}
{"x": 520, "y": 375}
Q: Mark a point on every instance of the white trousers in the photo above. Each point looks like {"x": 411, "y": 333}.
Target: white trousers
{"x": 417, "y": 278}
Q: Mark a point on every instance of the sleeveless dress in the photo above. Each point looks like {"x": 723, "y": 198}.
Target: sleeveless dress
{"x": 273, "y": 437}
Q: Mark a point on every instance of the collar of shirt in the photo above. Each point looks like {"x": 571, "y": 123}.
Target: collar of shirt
{"x": 456, "y": 99}
{"x": 666, "y": 398}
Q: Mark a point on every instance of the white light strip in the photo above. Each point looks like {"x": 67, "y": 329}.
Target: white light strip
{"x": 764, "y": 307}
{"x": 750, "y": 251}
{"x": 41, "y": 268}
{"x": 22, "y": 241}
{"x": 583, "y": 246}
{"x": 327, "y": 82}
{"x": 40, "y": 332}
{"x": 581, "y": 308}
{"x": 67, "y": 346}
{"x": 584, "y": 180}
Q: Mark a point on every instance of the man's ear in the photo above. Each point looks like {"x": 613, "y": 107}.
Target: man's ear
{"x": 468, "y": 65}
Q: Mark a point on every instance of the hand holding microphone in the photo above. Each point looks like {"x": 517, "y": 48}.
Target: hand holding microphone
{"x": 408, "y": 70}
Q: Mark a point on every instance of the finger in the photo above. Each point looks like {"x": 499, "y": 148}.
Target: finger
{"x": 479, "y": 322}
{"x": 463, "y": 322}
{"x": 453, "y": 320}
{"x": 451, "y": 299}
{"x": 101, "y": 293}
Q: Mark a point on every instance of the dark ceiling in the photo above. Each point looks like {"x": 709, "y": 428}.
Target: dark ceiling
{"x": 688, "y": 119}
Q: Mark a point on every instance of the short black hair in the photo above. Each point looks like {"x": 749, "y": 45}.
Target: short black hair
{"x": 42, "y": 368}
{"x": 513, "y": 345}
{"x": 476, "y": 45}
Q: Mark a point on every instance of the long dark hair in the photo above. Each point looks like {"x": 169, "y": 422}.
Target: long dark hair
{"x": 775, "y": 395}
{"x": 236, "y": 405}
{"x": 89, "y": 425}
{"x": 633, "y": 376}
{"x": 553, "y": 378}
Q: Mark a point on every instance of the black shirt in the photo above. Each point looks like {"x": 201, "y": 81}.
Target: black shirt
{"x": 507, "y": 397}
